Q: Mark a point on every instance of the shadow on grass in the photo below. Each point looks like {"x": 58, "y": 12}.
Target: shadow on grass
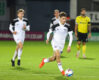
{"x": 19, "y": 68}
{"x": 64, "y": 57}
{"x": 87, "y": 58}
{"x": 64, "y": 78}
{"x": 40, "y": 72}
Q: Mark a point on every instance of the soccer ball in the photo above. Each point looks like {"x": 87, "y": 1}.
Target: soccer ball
{"x": 68, "y": 72}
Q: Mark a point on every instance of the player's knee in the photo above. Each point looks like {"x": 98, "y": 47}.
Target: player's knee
{"x": 20, "y": 45}
{"x": 84, "y": 43}
{"x": 54, "y": 58}
{"x": 79, "y": 43}
{"x": 57, "y": 56}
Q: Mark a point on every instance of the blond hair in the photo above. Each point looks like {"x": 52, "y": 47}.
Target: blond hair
{"x": 20, "y": 10}
{"x": 56, "y": 10}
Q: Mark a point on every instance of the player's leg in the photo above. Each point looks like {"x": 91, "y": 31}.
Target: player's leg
{"x": 16, "y": 53}
{"x": 78, "y": 48}
{"x": 46, "y": 60}
{"x": 57, "y": 54}
{"x": 84, "y": 45}
{"x": 14, "y": 56}
{"x": 84, "y": 49}
{"x": 20, "y": 44}
{"x": 79, "y": 37}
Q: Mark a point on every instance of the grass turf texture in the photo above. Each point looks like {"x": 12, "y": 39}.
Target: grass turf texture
{"x": 33, "y": 52}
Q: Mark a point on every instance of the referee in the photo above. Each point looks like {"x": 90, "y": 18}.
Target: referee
{"x": 82, "y": 31}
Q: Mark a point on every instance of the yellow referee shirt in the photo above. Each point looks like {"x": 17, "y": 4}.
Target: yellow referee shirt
{"x": 83, "y": 23}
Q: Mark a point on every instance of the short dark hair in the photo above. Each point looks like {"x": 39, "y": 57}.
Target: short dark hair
{"x": 82, "y": 9}
{"x": 62, "y": 14}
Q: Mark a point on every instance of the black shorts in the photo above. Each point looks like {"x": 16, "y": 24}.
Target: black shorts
{"x": 82, "y": 37}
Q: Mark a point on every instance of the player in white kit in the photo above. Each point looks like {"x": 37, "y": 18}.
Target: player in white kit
{"x": 54, "y": 20}
{"x": 60, "y": 31}
{"x": 18, "y": 27}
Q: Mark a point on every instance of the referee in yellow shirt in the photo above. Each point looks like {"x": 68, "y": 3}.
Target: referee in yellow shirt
{"x": 82, "y": 28}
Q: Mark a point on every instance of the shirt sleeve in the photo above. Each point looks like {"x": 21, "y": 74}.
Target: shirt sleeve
{"x": 70, "y": 38}
{"x": 52, "y": 28}
{"x": 89, "y": 21}
{"x": 51, "y": 24}
{"x": 50, "y": 31}
{"x": 77, "y": 20}
{"x": 27, "y": 25}
{"x": 11, "y": 26}
{"x": 69, "y": 28}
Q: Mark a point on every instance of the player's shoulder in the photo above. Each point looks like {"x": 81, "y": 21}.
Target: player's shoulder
{"x": 15, "y": 20}
{"x": 53, "y": 19}
{"x": 56, "y": 25}
{"x": 78, "y": 17}
{"x": 87, "y": 17}
{"x": 67, "y": 25}
{"x": 25, "y": 19}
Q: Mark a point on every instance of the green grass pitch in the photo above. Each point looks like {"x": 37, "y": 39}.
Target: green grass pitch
{"x": 33, "y": 52}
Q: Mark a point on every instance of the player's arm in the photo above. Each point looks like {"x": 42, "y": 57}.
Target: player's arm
{"x": 76, "y": 26}
{"x": 49, "y": 35}
{"x": 27, "y": 26}
{"x": 89, "y": 29}
{"x": 11, "y": 27}
{"x": 70, "y": 39}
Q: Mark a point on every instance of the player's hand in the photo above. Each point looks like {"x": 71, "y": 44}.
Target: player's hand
{"x": 89, "y": 35}
{"x": 14, "y": 32}
{"x": 76, "y": 34}
{"x": 47, "y": 41}
{"x": 68, "y": 49}
{"x": 24, "y": 27}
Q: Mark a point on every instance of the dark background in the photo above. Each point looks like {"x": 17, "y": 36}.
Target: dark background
{"x": 40, "y": 12}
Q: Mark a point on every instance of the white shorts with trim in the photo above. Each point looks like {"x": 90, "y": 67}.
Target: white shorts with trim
{"x": 57, "y": 46}
{"x": 18, "y": 39}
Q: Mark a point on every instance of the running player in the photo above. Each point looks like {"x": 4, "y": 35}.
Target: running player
{"x": 60, "y": 31}
{"x": 82, "y": 27}
{"x": 53, "y": 21}
{"x": 18, "y": 27}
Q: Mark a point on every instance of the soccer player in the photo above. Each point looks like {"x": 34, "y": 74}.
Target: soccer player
{"x": 82, "y": 28}
{"x": 56, "y": 18}
{"x": 60, "y": 31}
{"x": 18, "y": 27}
{"x": 53, "y": 21}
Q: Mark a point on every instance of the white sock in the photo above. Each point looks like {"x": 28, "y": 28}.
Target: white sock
{"x": 78, "y": 52}
{"x": 46, "y": 60}
{"x": 60, "y": 67}
{"x": 19, "y": 54}
{"x": 15, "y": 55}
